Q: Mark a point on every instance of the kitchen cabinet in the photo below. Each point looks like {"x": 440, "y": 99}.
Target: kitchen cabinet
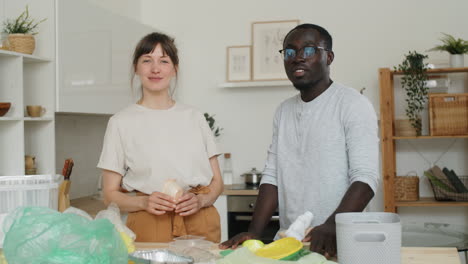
{"x": 388, "y": 139}
{"x": 28, "y": 80}
{"x": 94, "y": 58}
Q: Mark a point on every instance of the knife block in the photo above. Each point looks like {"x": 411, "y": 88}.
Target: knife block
{"x": 64, "y": 197}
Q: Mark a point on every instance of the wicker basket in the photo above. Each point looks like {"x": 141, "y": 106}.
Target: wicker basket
{"x": 407, "y": 188}
{"x": 404, "y": 128}
{"x": 448, "y": 114}
{"x": 24, "y": 43}
{"x": 444, "y": 195}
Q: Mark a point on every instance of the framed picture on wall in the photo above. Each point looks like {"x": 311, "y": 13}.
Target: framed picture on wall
{"x": 267, "y": 40}
{"x": 238, "y": 63}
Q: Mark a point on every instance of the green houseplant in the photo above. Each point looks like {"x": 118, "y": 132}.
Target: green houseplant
{"x": 211, "y": 122}
{"x": 21, "y": 32}
{"x": 414, "y": 83}
{"x": 456, "y": 47}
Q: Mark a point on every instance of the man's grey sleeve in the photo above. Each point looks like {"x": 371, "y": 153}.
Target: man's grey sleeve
{"x": 362, "y": 143}
{"x": 269, "y": 173}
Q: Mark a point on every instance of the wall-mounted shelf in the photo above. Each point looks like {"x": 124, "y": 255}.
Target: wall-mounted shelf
{"x": 281, "y": 83}
{"x": 35, "y": 119}
{"x": 10, "y": 119}
{"x": 26, "y": 57}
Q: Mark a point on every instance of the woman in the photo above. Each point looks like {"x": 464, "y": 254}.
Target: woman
{"x": 156, "y": 140}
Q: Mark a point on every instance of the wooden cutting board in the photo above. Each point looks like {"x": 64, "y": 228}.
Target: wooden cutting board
{"x": 409, "y": 255}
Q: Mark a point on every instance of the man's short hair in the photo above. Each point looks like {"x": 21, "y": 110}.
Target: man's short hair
{"x": 323, "y": 33}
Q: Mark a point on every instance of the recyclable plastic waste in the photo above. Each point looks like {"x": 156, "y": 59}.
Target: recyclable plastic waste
{"x": 41, "y": 235}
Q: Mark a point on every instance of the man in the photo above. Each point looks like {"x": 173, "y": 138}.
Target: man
{"x": 324, "y": 153}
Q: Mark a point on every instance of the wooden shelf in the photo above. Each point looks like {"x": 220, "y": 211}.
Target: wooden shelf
{"x": 388, "y": 146}
{"x": 282, "y": 83}
{"x": 430, "y": 137}
{"x": 436, "y": 71}
{"x": 430, "y": 201}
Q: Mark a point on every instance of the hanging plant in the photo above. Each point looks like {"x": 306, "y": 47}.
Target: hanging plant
{"x": 414, "y": 83}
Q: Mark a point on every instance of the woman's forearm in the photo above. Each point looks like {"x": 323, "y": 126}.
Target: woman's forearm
{"x": 125, "y": 202}
{"x": 112, "y": 194}
{"x": 216, "y": 185}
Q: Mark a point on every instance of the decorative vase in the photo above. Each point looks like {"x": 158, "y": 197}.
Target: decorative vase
{"x": 457, "y": 60}
{"x": 23, "y": 43}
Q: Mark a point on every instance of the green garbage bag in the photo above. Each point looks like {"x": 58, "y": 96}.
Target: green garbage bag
{"x": 41, "y": 235}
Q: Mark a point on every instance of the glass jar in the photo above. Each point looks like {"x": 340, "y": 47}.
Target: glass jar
{"x": 4, "y": 43}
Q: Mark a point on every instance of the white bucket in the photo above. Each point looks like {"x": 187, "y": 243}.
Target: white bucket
{"x": 368, "y": 238}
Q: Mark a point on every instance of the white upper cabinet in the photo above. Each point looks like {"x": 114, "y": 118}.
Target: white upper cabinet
{"x": 95, "y": 48}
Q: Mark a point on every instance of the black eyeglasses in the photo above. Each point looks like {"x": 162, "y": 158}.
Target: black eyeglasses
{"x": 308, "y": 51}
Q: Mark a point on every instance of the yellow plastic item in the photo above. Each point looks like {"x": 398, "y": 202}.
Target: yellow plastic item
{"x": 280, "y": 248}
{"x": 128, "y": 242}
{"x": 253, "y": 244}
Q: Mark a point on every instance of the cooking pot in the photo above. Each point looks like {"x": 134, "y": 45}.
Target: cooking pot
{"x": 252, "y": 177}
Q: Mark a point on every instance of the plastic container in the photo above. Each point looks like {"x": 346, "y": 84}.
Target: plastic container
{"x": 368, "y": 238}
{"x": 187, "y": 241}
{"x": 29, "y": 190}
{"x": 159, "y": 256}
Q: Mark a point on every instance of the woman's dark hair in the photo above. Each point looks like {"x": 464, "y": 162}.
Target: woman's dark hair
{"x": 147, "y": 45}
{"x": 323, "y": 33}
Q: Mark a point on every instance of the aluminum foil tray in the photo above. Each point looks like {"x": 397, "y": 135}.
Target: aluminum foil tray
{"x": 160, "y": 256}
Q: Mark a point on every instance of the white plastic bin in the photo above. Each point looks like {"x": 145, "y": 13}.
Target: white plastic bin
{"x": 29, "y": 190}
{"x": 368, "y": 238}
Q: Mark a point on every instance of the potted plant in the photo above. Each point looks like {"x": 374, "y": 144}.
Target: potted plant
{"x": 414, "y": 83}
{"x": 456, "y": 47}
{"x": 21, "y": 32}
{"x": 211, "y": 122}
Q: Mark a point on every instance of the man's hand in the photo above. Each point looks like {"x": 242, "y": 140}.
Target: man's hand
{"x": 188, "y": 204}
{"x": 323, "y": 239}
{"x": 237, "y": 239}
{"x": 159, "y": 203}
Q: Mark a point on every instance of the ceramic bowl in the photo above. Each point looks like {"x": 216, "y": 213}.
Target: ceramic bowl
{"x": 4, "y": 107}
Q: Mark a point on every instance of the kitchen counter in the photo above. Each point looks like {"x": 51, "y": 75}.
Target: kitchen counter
{"x": 239, "y": 189}
{"x": 409, "y": 255}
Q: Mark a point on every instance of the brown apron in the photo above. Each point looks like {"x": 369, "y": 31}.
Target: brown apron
{"x": 163, "y": 228}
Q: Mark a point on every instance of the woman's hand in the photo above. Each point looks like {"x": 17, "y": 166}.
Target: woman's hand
{"x": 188, "y": 204}
{"x": 159, "y": 203}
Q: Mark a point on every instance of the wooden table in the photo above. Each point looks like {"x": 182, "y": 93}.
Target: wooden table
{"x": 409, "y": 255}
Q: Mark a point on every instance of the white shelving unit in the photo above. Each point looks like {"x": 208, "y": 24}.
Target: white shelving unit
{"x": 28, "y": 80}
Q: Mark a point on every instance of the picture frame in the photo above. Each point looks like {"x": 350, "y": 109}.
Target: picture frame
{"x": 239, "y": 63}
{"x": 267, "y": 40}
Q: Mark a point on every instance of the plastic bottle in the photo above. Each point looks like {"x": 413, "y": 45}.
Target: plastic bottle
{"x": 299, "y": 227}
{"x": 227, "y": 169}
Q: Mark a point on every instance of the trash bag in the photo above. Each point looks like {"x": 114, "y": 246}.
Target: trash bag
{"x": 40, "y": 235}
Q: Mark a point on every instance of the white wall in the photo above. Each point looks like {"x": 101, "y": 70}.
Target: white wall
{"x": 367, "y": 35}
{"x": 80, "y": 137}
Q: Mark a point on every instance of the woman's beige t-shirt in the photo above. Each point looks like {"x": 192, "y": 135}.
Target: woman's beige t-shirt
{"x": 148, "y": 146}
